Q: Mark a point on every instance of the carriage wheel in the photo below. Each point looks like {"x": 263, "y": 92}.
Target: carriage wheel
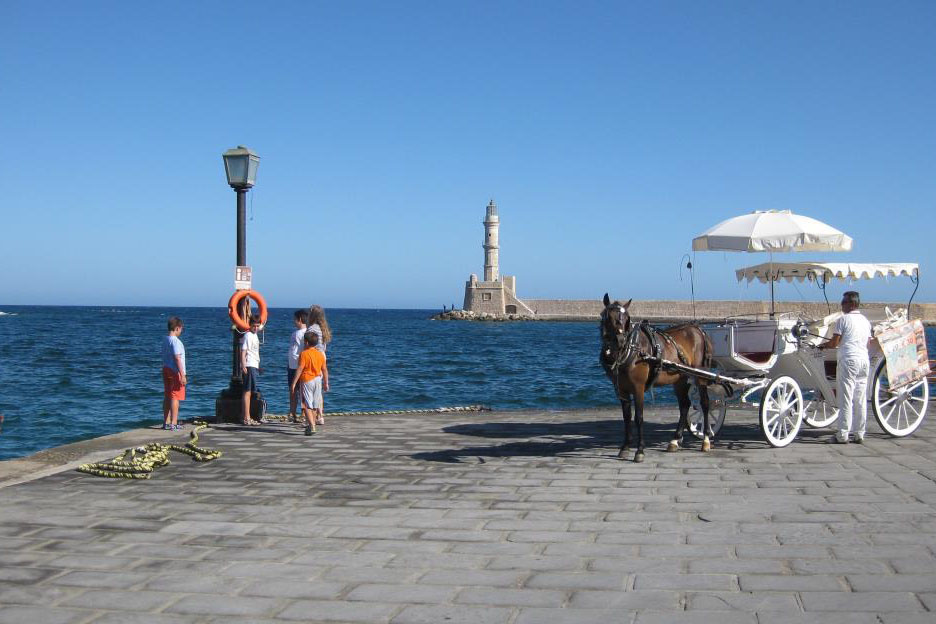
{"x": 819, "y": 413}
{"x": 899, "y": 412}
{"x": 717, "y": 410}
{"x": 781, "y": 411}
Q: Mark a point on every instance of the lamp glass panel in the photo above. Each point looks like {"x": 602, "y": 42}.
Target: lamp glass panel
{"x": 236, "y": 167}
{"x": 252, "y": 164}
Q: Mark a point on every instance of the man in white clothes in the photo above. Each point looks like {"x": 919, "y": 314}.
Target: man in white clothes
{"x": 852, "y": 335}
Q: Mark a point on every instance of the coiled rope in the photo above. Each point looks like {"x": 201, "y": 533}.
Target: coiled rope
{"x": 430, "y": 410}
{"x": 141, "y": 461}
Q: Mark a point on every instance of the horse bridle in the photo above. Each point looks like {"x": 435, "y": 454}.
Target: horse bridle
{"x": 623, "y": 343}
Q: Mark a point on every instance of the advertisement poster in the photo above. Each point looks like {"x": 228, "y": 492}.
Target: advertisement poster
{"x": 905, "y": 352}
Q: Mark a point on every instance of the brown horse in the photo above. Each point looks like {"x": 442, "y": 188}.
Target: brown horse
{"x": 630, "y": 354}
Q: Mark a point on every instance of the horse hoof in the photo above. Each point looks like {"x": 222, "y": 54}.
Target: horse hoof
{"x": 672, "y": 447}
{"x": 638, "y": 457}
{"x": 706, "y": 445}
{"x": 622, "y": 454}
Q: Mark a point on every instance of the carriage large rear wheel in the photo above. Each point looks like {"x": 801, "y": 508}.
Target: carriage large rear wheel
{"x": 781, "y": 411}
{"x": 900, "y": 411}
{"x": 717, "y": 410}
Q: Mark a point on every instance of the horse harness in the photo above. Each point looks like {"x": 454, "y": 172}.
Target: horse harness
{"x": 630, "y": 353}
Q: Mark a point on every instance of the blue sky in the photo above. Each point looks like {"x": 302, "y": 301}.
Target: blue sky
{"x": 608, "y": 133}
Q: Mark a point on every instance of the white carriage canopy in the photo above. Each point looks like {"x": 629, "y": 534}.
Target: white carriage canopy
{"x": 825, "y": 271}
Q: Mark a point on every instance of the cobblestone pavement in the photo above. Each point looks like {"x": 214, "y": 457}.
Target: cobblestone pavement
{"x": 504, "y": 517}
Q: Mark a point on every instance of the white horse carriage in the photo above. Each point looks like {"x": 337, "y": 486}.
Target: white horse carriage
{"x": 773, "y": 364}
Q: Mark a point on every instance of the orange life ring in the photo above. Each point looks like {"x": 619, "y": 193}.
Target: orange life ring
{"x": 233, "y": 305}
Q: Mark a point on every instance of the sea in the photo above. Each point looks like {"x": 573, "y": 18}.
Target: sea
{"x": 74, "y": 373}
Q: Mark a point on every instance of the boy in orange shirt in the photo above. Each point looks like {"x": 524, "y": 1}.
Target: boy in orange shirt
{"x": 313, "y": 374}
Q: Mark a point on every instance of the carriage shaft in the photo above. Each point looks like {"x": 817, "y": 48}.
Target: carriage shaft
{"x": 703, "y": 373}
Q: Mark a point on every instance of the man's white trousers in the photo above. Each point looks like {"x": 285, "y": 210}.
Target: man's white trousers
{"x": 852, "y": 397}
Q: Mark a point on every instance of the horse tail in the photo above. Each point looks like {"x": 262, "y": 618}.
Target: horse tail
{"x": 707, "y": 349}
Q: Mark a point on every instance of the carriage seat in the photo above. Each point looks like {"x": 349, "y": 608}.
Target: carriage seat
{"x": 758, "y": 357}
{"x": 756, "y": 341}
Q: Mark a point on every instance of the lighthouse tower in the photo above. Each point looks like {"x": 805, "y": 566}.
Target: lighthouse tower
{"x": 495, "y": 294}
{"x": 491, "y": 227}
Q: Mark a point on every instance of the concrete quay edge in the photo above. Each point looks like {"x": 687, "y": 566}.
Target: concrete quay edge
{"x": 69, "y": 456}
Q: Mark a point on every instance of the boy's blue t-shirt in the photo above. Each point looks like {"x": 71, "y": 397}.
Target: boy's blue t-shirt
{"x": 172, "y": 347}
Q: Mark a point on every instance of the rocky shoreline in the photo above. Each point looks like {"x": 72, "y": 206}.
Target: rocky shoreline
{"x": 468, "y": 315}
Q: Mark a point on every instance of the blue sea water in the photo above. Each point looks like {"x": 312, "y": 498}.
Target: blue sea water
{"x": 73, "y": 373}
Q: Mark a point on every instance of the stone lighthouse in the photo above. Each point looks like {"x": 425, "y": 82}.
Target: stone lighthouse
{"x": 491, "y": 227}
{"x": 494, "y": 295}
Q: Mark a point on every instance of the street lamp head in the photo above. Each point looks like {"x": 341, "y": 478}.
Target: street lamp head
{"x": 240, "y": 166}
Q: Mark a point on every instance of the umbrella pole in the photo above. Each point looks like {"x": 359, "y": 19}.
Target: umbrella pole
{"x": 771, "y": 278}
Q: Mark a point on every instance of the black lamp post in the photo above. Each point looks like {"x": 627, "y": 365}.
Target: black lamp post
{"x": 240, "y": 167}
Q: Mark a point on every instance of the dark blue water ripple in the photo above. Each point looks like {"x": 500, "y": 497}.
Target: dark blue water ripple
{"x": 102, "y": 375}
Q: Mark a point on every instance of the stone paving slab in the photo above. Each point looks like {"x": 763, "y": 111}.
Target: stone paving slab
{"x": 503, "y": 517}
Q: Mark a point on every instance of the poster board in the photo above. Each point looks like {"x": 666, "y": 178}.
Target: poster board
{"x": 904, "y": 350}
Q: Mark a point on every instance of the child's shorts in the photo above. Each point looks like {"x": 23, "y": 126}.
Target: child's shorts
{"x": 172, "y": 384}
{"x": 290, "y": 375}
{"x": 312, "y": 393}
{"x": 250, "y": 379}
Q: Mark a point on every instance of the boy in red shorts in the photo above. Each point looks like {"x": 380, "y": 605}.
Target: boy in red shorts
{"x": 173, "y": 373}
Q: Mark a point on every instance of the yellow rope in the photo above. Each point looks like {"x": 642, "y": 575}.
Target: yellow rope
{"x": 128, "y": 465}
{"x": 434, "y": 410}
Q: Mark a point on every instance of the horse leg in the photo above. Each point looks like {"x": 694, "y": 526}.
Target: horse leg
{"x": 626, "y": 412}
{"x": 682, "y": 398}
{"x": 704, "y": 404}
{"x": 638, "y": 421}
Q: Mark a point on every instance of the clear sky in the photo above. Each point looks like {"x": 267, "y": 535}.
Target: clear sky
{"x": 609, "y": 134}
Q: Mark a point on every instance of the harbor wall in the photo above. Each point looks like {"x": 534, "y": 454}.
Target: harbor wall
{"x": 566, "y": 307}
{"x": 716, "y": 310}
{"x": 675, "y": 311}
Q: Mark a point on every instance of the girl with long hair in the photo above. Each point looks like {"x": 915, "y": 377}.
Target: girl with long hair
{"x": 318, "y": 325}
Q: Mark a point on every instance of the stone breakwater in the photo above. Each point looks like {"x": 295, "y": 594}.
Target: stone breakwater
{"x": 468, "y": 315}
{"x": 664, "y": 311}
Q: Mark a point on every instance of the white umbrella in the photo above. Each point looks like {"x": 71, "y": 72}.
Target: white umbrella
{"x": 773, "y": 231}
{"x": 770, "y": 231}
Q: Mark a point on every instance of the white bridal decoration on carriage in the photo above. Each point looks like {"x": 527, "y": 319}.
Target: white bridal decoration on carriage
{"x": 774, "y": 364}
